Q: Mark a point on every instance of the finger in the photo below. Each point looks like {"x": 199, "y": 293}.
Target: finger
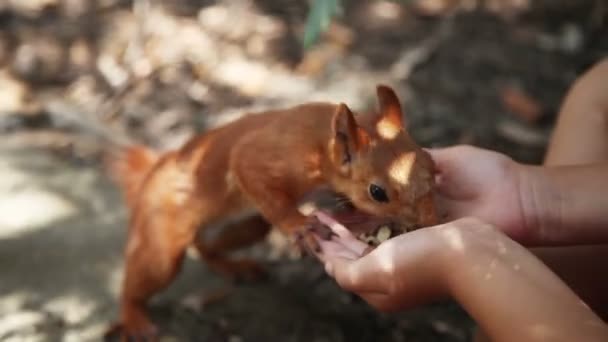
{"x": 334, "y": 225}
{"x": 320, "y": 230}
{"x": 318, "y": 249}
{"x": 446, "y": 155}
{"x": 332, "y": 250}
{"x": 336, "y": 245}
{"x": 442, "y": 156}
{"x": 358, "y": 247}
{"x": 450, "y": 163}
{"x": 344, "y": 235}
{"x": 380, "y": 301}
{"x": 329, "y": 268}
{"x": 445, "y": 184}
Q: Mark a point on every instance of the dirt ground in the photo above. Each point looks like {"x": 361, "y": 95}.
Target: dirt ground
{"x": 73, "y": 72}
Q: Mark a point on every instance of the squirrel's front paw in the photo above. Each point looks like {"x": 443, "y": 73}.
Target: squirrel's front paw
{"x": 306, "y": 239}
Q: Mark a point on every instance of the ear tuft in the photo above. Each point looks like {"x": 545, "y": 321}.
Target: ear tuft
{"x": 390, "y": 107}
{"x": 343, "y": 121}
{"x": 347, "y": 137}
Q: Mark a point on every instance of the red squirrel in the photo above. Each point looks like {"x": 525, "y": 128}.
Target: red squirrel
{"x": 263, "y": 163}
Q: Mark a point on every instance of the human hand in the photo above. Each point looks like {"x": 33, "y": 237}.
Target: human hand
{"x": 402, "y": 272}
{"x": 484, "y": 184}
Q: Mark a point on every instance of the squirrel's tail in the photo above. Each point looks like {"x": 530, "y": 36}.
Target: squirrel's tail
{"x": 129, "y": 167}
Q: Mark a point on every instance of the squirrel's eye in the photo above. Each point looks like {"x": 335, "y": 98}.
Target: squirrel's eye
{"x": 377, "y": 193}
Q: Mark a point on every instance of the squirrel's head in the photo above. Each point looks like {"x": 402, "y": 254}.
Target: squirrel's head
{"x": 377, "y": 164}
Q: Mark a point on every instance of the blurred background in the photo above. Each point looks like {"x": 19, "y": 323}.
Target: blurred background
{"x": 486, "y": 72}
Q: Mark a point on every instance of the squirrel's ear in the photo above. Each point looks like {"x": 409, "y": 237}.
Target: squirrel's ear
{"x": 391, "y": 116}
{"x": 347, "y": 138}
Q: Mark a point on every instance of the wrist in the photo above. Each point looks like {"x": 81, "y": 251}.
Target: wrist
{"x": 470, "y": 245}
{"x": 541, "y": 205}
{"x": 462, "y": 245}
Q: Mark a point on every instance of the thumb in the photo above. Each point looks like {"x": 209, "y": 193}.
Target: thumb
{"x": 455, "y": 178}
{"x": 443, "y": 156}
{"x": 453, "y": 156}
{"x": 445, "y": 160}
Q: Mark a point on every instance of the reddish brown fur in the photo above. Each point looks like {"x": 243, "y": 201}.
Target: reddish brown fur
{"x": 265, "y": 162}
{"x": 129, "y": 168}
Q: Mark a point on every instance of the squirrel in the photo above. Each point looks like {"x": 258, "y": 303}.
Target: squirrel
{"x": 262, "y": 164}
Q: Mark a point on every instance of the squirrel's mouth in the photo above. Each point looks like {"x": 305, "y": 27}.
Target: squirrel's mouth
{"x": 368, "y": 228}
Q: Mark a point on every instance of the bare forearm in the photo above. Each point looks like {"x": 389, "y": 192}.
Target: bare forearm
{"x": 581, "y": 133}
{"x": 566, "y": 205}
{"x": 514, "y": 297}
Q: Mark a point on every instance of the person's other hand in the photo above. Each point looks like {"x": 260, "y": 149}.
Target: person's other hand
{"x": 484, "y": 184}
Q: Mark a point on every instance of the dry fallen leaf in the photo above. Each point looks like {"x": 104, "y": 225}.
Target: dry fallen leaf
{"x": 521, "y": 104}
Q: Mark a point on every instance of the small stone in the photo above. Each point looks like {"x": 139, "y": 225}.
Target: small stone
{"x": 571, "y": 38}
